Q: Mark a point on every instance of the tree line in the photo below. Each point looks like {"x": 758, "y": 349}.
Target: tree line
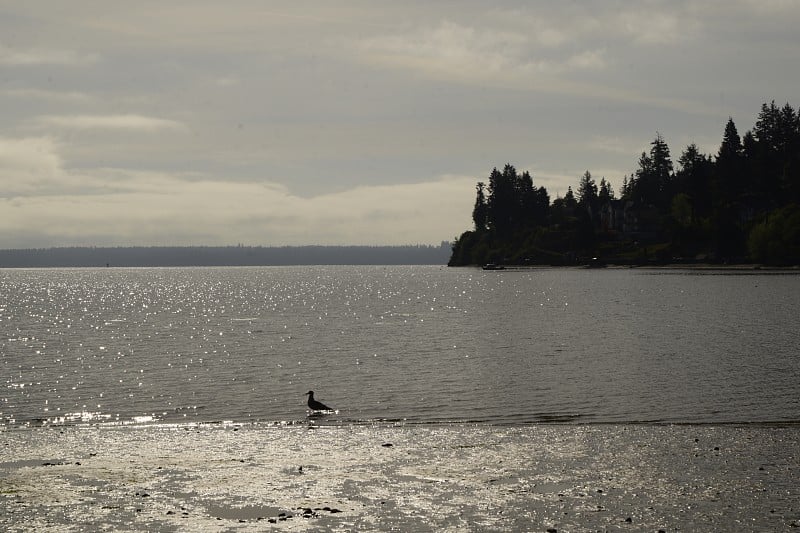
{"x": 740, "y": 205}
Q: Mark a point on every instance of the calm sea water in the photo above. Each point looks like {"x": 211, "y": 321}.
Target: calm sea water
{"x": 414, "y": 344}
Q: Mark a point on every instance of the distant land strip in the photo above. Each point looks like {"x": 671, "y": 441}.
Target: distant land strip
{"x": 166, "y": 256}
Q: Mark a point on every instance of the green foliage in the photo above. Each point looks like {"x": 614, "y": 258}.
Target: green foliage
{"x": 681, "y": 210}
{"x": 776, "y": 240}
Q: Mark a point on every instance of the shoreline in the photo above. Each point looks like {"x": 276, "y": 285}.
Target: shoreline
{"x": 411, "y": 477}
{"x": 755, "y": 267}
{"x": 655, "y": 266}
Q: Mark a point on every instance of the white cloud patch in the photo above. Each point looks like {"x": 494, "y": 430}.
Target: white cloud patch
{"x": 773, "y": 7}
{"x": 588, "y": 60}
{"x": 128, "y": 122}
{"x": 654, "y": 27}
{"x": 44, "y": 95}
{"x": 534, "y": 43}
{"x": 227, "y": 82}
{"x": 32, "y": 167}
{"x": 461, "y": 51}
{"x": 10, "y": 56}
{"x": 547, "y": 54}
{"x": 28, "y": 165}
{"x": 616, "y": 145}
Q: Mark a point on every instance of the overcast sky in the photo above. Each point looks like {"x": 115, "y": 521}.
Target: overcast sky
{"x": 287, "y": 123}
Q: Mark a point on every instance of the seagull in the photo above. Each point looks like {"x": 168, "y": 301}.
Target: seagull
{"x": 314, "y": 405}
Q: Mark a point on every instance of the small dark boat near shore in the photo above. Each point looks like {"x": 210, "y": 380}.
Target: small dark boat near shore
{"x": 596, "y": 262}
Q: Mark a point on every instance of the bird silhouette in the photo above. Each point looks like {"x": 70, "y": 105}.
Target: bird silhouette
{"x": 314, "y": 405}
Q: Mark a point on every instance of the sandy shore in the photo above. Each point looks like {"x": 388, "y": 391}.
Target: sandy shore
{"x": 409, "y": 478}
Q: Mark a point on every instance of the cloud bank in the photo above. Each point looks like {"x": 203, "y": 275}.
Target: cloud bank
{"x": 353, "y": 122}
{"x": 45, "y": 204}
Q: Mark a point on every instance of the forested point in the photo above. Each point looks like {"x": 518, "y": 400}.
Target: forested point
{"x": 741, "y": 205}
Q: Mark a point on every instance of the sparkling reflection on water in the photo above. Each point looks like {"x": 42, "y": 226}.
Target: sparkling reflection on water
{"x": 418, "y": 344}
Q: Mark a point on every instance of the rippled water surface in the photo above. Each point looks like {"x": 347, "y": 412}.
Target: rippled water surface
{"x": 420, "y": 344}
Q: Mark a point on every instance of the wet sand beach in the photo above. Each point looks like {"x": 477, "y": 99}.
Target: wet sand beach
{"x": 218, "y": 477}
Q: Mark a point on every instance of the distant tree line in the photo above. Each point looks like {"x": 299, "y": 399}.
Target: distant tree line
{"x": 740, "y": 205}
{"x": 166, "y": 256}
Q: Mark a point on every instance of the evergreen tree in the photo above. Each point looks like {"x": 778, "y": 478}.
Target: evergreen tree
{"x": 526, "y": 196}
{"x": 542, "y": 206}
{"x": 642, "y": 186}
{"x": 767, "y": 129}
{"x": 729, "y": 180}
{"x": 534, "y": 202}
{"x": 765, "y": 162}
{"x": 694, "y": 179}
{"x": 790, "y": 152}
{"x": 731, "y": 146}
{"x": 662, "y": 169}
{"x": 691, "y": 158}
{"x": 776, "y": 162}
{"x": 587, "y": 196}
{"x": 496, "y": 209}
{"x": 652, "y": 182}
{"x": 480, "y": 211}
{"x": 605, "y": 194}
{"x": 625, "y": 192}
{"x": 569, "y": 199}
{"x": 587, "y": 190}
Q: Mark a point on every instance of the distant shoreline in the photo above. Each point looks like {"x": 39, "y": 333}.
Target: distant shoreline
{"x": 233, "y": 256}
{"x": 184, "y": 256}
